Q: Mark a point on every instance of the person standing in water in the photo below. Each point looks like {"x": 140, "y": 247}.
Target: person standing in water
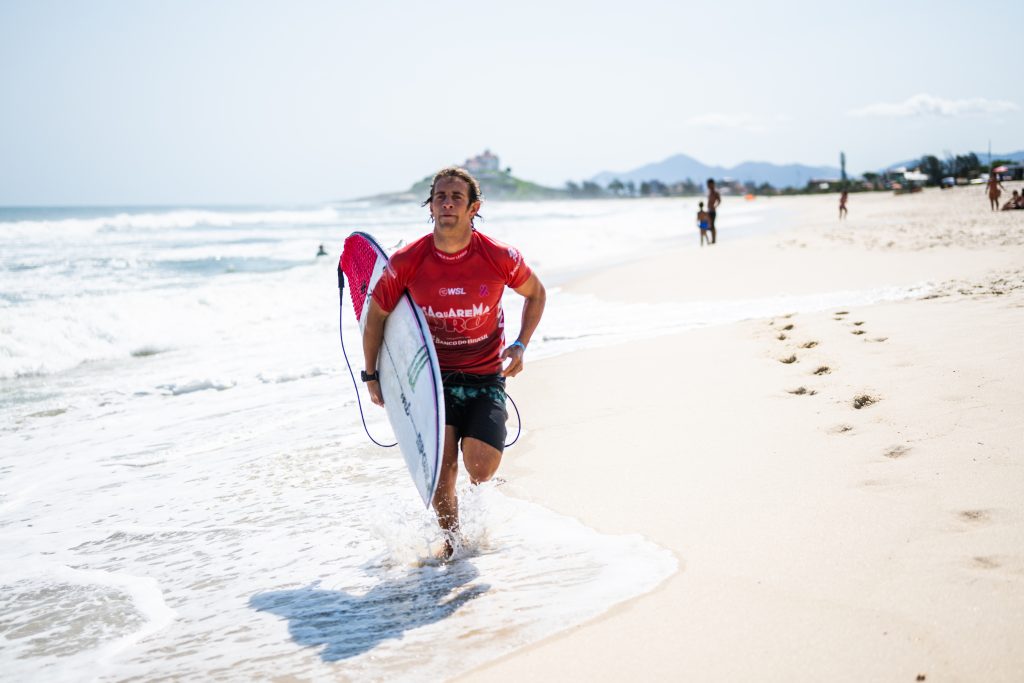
{"x": 457, "y": 275}
{"x": 714, "y": 199}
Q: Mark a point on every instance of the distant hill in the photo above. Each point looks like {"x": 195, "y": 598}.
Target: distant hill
{"x": 681, "y": 167}
{"x": 499, "y": 185}
{"x": 494, "y": 185}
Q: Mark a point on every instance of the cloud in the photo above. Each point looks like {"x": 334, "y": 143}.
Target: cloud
{"x": 744, "y": 122}
{"x": 929, "y": 105}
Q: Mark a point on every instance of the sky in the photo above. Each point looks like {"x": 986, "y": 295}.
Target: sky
{"x": 146, "y": 102}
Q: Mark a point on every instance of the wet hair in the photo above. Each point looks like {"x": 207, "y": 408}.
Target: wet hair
{"x": 701, "y": 205}
{"x": 711, "y": 180}
{"x": 461, "y": 174}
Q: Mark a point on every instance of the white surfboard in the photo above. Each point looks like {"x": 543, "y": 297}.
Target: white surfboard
{"x": 410, "y": 377}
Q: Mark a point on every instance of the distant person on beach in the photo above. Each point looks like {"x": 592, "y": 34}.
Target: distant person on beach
{"x": 457, "y": 276}
{"x": 322, "y": 252}
{"x": 1016, "y": 202}
{"x": 704, "y": 223}
{"x": 842, "y": 204}
{"x": 714, "y": 199}
{"x": 995, "y": 188}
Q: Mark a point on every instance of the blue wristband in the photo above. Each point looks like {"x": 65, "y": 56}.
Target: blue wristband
{"x": 519, "y": 344}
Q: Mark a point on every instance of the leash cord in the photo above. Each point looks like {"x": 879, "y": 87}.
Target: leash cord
{"x": 341, "y": 333}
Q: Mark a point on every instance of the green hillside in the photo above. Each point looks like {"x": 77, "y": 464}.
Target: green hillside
{"x": 498, "y": 185}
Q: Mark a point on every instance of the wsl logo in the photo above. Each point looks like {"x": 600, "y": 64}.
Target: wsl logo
{"x": 452, "y": 291}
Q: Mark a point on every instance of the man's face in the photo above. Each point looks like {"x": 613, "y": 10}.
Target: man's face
{"x": 450, "y": 207}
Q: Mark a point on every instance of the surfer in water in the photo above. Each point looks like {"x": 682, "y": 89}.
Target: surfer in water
{"x": 457, "y": 275}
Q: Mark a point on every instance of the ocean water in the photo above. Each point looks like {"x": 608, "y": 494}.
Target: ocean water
{"x": 186, "y": 491}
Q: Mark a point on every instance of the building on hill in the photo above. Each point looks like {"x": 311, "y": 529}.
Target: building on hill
{"x": 483, "y": 164}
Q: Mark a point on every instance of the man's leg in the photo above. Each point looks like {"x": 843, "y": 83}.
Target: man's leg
{"x": 481, "y": 459}
{"x": 446, "y": 503}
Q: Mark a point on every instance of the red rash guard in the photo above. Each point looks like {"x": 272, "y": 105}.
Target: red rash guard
{"x": 460, "y": 295}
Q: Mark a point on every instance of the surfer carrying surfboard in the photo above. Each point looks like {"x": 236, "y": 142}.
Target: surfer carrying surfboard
{"x": 456, "y": 275}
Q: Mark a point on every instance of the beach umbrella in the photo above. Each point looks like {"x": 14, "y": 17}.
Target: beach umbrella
{"x": 1000, "y": 169}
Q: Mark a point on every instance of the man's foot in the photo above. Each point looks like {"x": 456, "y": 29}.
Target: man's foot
{"x": 446, "y": 552}
{"x": 452, "y": 544}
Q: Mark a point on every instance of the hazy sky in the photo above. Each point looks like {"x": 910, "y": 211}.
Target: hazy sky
{"x": 216, "y": 101}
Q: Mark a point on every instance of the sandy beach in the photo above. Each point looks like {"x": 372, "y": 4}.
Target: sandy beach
{"x": 843, "y": 489}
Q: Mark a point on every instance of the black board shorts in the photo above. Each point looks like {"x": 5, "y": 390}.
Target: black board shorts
{"x": 475, "y": 406}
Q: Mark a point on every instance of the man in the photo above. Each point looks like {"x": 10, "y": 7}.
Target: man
{"x": 714, "y": 199}
{"x": 842, "y": 204}
{"x": 457, "y": 275}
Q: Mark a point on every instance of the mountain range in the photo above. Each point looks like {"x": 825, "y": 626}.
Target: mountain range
{"x": 681, "y": 167}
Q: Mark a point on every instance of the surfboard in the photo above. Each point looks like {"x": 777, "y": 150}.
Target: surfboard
{"x": 410, "y": 377}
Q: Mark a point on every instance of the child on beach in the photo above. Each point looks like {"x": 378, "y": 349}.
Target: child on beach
{"x": 1016, "y": 202}
{"x": 704, "y": 223}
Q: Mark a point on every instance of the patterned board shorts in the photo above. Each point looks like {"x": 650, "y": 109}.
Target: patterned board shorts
{"x": 475, "y": 406}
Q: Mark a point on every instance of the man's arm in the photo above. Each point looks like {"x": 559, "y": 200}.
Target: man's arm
{"x": 373, "y": 337}
{"x": 533, "y": 309}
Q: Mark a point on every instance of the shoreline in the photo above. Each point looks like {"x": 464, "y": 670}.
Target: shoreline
{"x": 814, "y": 538}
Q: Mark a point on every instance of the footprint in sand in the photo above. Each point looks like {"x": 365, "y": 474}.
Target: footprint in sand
{"x": 787, "y": 361}
{"x": 809, "y": 345}
{"x": 841, "y": 429}
{"x": 896, "y": 452}
{"x": 787, "y": 328}
{"x": 859, "y": 323}
{"x": 782, "y": 337}
{"x": 877, "y": 339}
{"x": 823, "y": 370}
{"x": 975, "y": 516}
{"x": 863, "y": 401}
{"x": 858, "y": 332}
{"x": 802, "y": 391}
{"x": 986, "y": 562}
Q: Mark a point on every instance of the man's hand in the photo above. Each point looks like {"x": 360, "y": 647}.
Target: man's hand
{"x": 373, "y": 386}
{"x": 515, "y": 352}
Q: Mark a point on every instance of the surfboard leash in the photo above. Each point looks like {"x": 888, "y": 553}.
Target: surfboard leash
{"x": 519, "y": 421}
{"x": 355, "y": 386}
{"x": 344, "y": 352}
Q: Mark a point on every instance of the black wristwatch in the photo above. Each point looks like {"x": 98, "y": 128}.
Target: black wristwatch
{"x": 375, "y": 377}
